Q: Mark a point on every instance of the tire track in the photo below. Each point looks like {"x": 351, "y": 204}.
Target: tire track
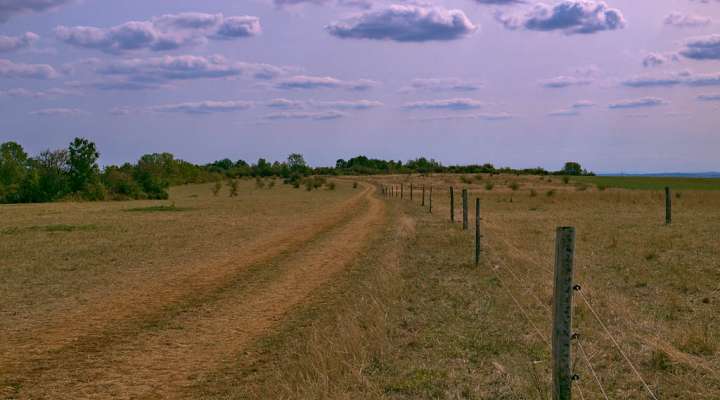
{"x": 162, "y": 364}
{"x": 135, "y": 302}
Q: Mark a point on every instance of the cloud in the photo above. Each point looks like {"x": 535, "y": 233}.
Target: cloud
{"x": 9, "y": 69}
{"x": 565, "y": 81}
{"x": 167, "y": 32}
{"x": 637, "y": 103}
{"x": 10, "y": 8}
{"x": 12, "y": 43}
{"x": 683, "y": 78}
{"x": 299, "y": 115}
{"x": 657, "y": 59}
{"x": 679, "y": 20}
{"x": 204, "y": 107}
{"x": 59, "y": 112}
{"x": 583, "y": 104}
{"x": 156, "y": 72}
{"x": 405, "y": 23}
{"x": 570, "y": 17}
{"x": 305, "y": 82}
{"x": 709, "y": 97}
{"x": 500, "y": 2}
{"x": 442, "y": 84}
{"x": 475, "y": 116}
{"x": 346, "y": 3}
{"x": 347, "y": 104}
{"x": 702, "y": 48}
{"x": 564, "y": 113}
{"x": 285, "y": 104}
{"x": 43, "y": 94}
{"x": 446, "y": 104}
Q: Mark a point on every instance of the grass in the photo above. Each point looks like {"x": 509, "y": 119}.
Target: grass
{"x": 160, "y": 208}
{"x": 409, "y": 318}
{"x": 651, "y": 183}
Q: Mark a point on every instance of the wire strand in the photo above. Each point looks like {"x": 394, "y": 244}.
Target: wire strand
{"x": 592, "y": 370}
{"x": 522, "y": 309}
{"x": 617, "y": 345}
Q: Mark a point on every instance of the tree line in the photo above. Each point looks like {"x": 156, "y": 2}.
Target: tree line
{"x": 74, "y": 173}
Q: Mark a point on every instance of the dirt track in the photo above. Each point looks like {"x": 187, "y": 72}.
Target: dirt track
{"x": 154, "y": 338}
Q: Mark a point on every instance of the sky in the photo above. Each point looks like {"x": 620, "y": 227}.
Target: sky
{"x": 617, "y": 85}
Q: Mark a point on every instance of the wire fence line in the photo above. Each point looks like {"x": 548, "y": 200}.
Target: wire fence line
{"x": 498, "y": 265}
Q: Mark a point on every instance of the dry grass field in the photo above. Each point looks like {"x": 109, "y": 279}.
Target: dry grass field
{"x": 342, "y": 294}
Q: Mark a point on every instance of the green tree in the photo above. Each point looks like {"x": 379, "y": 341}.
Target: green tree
{"x": 572, "y": 168}
{"x": 296, "y": 163}
{"x": 84, "y": 172}
{"x": 13, "y": 163}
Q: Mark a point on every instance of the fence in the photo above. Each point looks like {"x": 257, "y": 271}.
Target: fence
{"x": 564, "y": 371}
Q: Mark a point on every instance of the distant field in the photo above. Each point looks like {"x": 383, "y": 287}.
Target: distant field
{"x": 651, "y": 183}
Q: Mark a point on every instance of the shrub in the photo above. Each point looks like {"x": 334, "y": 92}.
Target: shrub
{"x": 216, "y": 188}
{"x": 233, "y": 184}
{"x": 601, "y": 188}
{"x": 533, "y": 193}
{"x": 331, "y": 186}
{"x": 489, "y": 186}
{"x": 566, "y": 179}
{"x": 478, "y": 177}
{"x": 550, "y": 193}
{"x": 271, "y": 184}
{"x": 581, "y": 187}
{"x": 514, "y": 186}
{"x": 465, "y": 179}
{"x": 355, "y": 185}
{"x": 259, "y": 183}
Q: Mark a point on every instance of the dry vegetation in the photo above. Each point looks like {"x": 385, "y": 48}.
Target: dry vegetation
{"x": 337, "y": 294}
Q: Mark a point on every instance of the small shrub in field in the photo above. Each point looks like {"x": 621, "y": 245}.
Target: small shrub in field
{"x": 478, "y": 177}
{"x": 271, "y": 184}
{"x": 309, "y": 185}
{"x": 355, "y": 185}
{"x": 580, "y": 187}
{"x": 465, "y": 179}
{"x": 678, "y": 195}
{"x": 489, "y": 186}
{"x": 601, "y": 188}
{"x": 331, "y": 186}
{"x": 533, "y": 193}
{"x": 514, "y": 186}
{"x": 233, "y": 185}
{"x": 550, "y": 193}
{"x": 259, "y": 183}
{"x": 566, "y": 179}
{"x": 216, "y": 189}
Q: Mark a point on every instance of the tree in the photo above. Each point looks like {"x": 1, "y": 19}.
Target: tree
{"x": 84, "y": 172}
{"x": 13, "y": 163}
{"x": 572, "y": 168}
{"x": 296, "y": 163}
{"x": 150, "y": 174}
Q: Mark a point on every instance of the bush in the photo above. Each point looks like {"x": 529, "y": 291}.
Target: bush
{"x": 550, "y": 193}
{"x": 465, "y": 179}
{"x": 355, "y": 185}
{"x": 489, "y": 186}
{"x": 216, "y": 188}
{"x": 331, "y": 186}
{"x": 533, "y": 193}
{"x": 259, "y": 183}
{"x": 566, "y": 179}
{"x": 601, "y": 188}
{"x": 581, "y": 187}
{"x": 478, "y": 177}
{"x": 233, "y": 185}
{"x": 271, "y": 184}
{"x": 514, "y": 186}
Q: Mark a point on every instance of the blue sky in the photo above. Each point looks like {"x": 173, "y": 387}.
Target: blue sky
{"x": 622, "y": 85}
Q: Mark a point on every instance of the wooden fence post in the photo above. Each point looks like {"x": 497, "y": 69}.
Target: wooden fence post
{"x": 452, "y": 205}
{"x": 423, "y": 196}
{"x": 411, "y": 192}
{"x": 465, "y": 209}
{"x": 430, "y": 198}
{"x": 477, "y": 232}
{"x": 668, "y": 206}
{"x": 562, "y": 313}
